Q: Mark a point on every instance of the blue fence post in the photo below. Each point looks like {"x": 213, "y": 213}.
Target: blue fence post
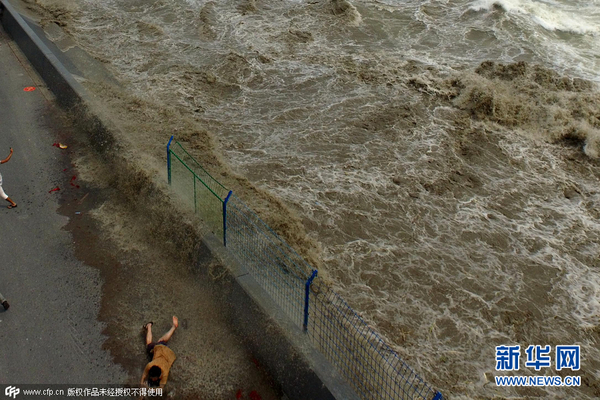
{"x": 195, "y": 202}
{"x": 438, "y": 396}
{"x": 225, "y": 218}
{"x": 169, "y": 159}
{"x": 307, "y": 292}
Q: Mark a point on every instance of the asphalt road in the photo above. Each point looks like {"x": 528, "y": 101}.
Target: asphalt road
{"x": 51, "y": 333}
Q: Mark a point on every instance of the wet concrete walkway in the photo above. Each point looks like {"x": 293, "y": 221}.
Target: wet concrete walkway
{"x": 50, "y": 334}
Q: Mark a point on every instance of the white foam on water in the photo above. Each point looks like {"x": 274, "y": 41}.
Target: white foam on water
{"x": 561, "y": 33}
{"x": 552, "y": 16}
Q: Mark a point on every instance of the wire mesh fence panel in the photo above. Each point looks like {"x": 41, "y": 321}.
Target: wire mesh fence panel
{"x": 211, "y": 183}
{"x": 296, "y": 263}
{"x": 199, "y": 190}
{"x": 372, "y": 367}
{"x": 261, "y": 251}
{"x": 182, "y": 181}
{"x": 209, "y": 208}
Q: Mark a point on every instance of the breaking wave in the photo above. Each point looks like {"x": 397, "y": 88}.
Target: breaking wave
{"x": 551, "y": 16}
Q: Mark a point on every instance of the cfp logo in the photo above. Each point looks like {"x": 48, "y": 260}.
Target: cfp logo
{"x": 12, "y": 391}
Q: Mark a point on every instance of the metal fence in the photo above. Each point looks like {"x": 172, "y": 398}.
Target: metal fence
{"x": 371, "y": 367}
{"x": 197, "y": 188}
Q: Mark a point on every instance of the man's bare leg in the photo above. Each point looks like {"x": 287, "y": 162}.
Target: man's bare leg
{"x": 12, "y": 203}
{"x": 148, "y": 327}
{"x": 165, "y": 338}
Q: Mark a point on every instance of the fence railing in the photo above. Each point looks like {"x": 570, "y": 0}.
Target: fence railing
{"x": 370, "y": 366}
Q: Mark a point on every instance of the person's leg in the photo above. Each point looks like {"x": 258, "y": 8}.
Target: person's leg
{"x": 4, "y": 302}
{"x": 5, "y": 197}
{"x": 165, "y": 338}
{"x": 148, "y": 327}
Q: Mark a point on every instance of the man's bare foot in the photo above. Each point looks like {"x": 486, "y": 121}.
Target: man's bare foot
{"x": 12, "y": 206}
{"x": 175, "y": 322}
{"x": 149, "y": 324}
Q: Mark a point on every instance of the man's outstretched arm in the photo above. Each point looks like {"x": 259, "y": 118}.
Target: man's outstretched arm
{"x": 7, "y": 158}
{"x": 144, "y": 382}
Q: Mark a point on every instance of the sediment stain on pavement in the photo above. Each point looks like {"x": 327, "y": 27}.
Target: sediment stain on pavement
{"x": 140, "y": 284}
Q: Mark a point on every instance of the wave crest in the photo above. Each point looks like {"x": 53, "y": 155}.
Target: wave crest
{"x": 345, "y": 8}
{"x": 547, "y": 16}
{"x": 535, "y": 100}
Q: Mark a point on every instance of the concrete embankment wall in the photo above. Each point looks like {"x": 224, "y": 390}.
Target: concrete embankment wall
{"x": 273, "y": 339}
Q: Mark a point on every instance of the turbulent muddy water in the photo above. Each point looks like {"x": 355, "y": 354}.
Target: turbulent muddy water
{"x": 442, "y": 153}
